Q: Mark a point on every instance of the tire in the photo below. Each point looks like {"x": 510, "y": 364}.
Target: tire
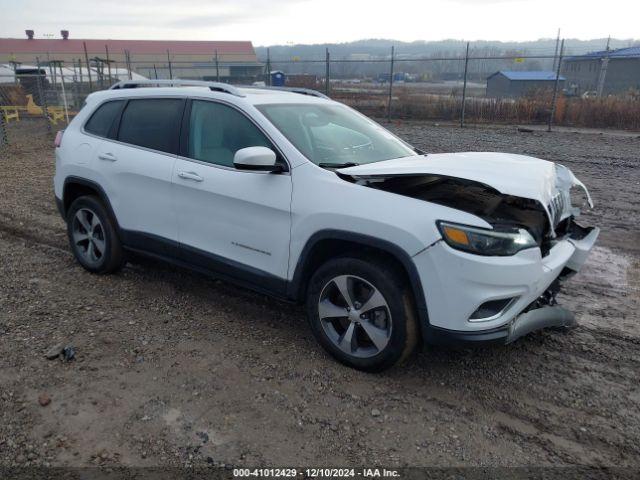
{"x": 331, "y": 318}
{"x": 93, "y": 237}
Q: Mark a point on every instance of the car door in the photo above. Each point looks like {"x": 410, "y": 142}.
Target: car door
{"x": 139, "y": 166}
{"x": 236, "y": 222}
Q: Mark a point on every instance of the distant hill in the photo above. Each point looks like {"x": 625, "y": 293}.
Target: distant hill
{"x": 308, "y": 59}
{"x": 379, "y": 48}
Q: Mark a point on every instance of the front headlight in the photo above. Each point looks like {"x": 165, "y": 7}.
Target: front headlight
{"x": 482, "y": 241}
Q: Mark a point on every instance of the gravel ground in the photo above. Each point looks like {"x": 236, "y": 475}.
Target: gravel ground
{"x": 176, "y": 369}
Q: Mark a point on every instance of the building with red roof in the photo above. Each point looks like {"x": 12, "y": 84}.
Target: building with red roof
{"x": 227, "y": 60}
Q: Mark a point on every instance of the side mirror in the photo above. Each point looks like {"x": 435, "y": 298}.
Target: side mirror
{"x": 260, "y": 159}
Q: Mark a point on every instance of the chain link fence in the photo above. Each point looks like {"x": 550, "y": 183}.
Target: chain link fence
{"x": 460, "y": 88}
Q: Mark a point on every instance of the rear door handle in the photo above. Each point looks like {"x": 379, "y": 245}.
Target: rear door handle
{"x": 190, "y": 176}
{"x": 110, "y": 157}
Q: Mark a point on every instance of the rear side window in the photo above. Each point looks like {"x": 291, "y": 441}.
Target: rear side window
{"x": 103, "y": 118}
{"x": 152, "y": 123}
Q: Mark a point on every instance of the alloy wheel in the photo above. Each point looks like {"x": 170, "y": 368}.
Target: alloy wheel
{"x": 88, "y": 236}
{"x": 355, "y": 316}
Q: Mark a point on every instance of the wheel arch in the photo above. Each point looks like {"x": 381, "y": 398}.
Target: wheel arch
{"x": 326, "y": 244}
{"x": 75, "y": 187}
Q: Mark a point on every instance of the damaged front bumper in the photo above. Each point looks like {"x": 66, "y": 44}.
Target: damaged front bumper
{"x": 539, "y": 318}
{"x": 456, "y": 284}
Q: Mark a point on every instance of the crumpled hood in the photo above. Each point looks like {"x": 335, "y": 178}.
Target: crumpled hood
{"x": 518, "y": 175}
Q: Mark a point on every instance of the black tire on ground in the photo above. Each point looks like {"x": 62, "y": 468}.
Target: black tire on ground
{"x": 393, "y": 287}
{"x": 112, "y": 257}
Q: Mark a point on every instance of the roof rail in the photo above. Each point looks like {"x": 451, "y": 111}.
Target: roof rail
{"x": 302, "y": 91}
{"x": 213, "y": 86}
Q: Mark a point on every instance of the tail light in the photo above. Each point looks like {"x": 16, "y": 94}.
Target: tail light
{"x": 58, "y": 141}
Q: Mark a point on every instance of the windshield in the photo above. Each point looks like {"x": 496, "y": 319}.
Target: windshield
{"x": 335, "y": 135}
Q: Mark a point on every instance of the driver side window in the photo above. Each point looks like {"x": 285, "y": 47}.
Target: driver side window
{"x": 217, "y": 132}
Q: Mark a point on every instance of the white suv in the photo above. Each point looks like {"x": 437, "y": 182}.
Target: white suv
{"x": 295, "y": 195}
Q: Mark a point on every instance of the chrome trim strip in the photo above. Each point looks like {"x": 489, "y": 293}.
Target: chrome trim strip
{"x": 495, "y": 316}
{"x": 207, "y": 99}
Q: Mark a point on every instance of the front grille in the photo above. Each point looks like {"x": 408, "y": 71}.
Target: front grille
{"x": 557, "y": 207}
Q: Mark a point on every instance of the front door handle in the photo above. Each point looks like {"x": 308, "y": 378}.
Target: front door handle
{"x": 110, "y": 157}
{"x": 190, "y": 176}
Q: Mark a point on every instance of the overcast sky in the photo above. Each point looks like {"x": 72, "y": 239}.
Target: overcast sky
{"x": 268, "y": 22}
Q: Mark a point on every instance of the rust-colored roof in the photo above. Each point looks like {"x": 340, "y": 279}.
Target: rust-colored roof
{"x": 141, "y": 47}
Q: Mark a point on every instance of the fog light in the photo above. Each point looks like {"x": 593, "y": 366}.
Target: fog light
{"x": 491, "y": 309}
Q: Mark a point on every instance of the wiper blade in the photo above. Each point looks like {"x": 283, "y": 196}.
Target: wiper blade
{"x": 337, "y": 165}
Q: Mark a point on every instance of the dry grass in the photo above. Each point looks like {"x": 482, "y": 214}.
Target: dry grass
{"x": 610, "y": 112}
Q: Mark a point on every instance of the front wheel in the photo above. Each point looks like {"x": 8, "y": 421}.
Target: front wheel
{"x": 361, "y": 312}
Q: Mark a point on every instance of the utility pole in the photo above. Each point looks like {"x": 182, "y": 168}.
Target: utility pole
{"x": 464, "y": 86}
{"x": 169, "y": 61}
{"x": 555, "y": 88}
{"x": 390, "y": 85}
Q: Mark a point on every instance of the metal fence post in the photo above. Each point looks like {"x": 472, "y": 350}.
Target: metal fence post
{"x": 100, "y": 72}
{"x": 4, "y": 137}
{"x": 555, "y": 54}
{"x": 86, "y": 57}
{"x": 268, "y": 76}
{"x": 170, "y": 70}
{"x": 43, "y": 97}
{"x": 217, "y": 67}
{"x": 603, "y": 74}
{"x": 555, "y": 88}
{"x": 390, "y": 86}
{"x": 464, "y": 86}
{"x": 51, "y": 72}
{"x": 64, "y": 95}
{"x": 76, "y": 88}
{"x": 327, "y": 75}
{"x": 127, "y": 55}
{"x": 106, "y": 49}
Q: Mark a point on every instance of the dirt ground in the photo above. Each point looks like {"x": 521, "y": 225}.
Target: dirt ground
{"x": 175, "y": 369}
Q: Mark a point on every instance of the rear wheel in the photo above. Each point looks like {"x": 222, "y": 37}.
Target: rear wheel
{"x": 361, "y": 312}
{"x": 93, "y": 237}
